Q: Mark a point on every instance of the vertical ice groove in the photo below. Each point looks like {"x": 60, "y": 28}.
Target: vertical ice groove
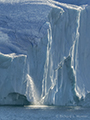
{"x": 30, "y": 85}
{"x": 74, "y": 60}
{"x": 23, "y": 76}
{"x": 44, "y": 82}
{"x": 30, "y": 88}
{"x": 77, "y": 40}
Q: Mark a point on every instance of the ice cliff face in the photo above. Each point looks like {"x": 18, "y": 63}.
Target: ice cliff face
{"x": 44, "y": 55}
{"x": 59, "y": 81}
{"x": 23, "y": 41}
{"x": 66, "y": 77}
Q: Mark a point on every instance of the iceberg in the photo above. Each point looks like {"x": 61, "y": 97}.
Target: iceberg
{"x": 66, "y": 78}
{"x": 44, "y": 52}
{"x": 66, "y": 71}
{"x": 23, "y": 43}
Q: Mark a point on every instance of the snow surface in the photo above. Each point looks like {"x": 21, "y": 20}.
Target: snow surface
{"x": 44, "y": 47}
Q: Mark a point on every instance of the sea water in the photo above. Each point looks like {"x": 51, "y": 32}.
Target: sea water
{"x": 37, "y": 112}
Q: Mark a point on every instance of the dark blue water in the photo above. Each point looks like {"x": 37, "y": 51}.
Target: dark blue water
{"x": 44, "y": 113}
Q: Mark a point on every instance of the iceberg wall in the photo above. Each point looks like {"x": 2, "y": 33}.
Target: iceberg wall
{"x": 44, "y": 61}
{"x": 66, "y": 71}
{"x": 23, "y": 42}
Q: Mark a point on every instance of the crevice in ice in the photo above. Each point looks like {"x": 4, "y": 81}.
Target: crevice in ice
{"x": 74, "y": 52}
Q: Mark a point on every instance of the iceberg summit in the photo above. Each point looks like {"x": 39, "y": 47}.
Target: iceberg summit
{"x": 45, "y": 52}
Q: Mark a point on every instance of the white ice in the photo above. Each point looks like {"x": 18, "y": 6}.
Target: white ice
{"x": 44, "y": 47}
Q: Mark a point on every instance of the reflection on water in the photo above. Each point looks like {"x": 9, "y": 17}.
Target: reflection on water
{"x": 36, "y": 106}
{"x": 43, "y": 112}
